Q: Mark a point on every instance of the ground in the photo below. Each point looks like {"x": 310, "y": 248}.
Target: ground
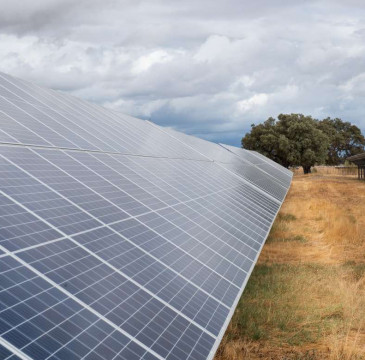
{"x": 305, "y": 299}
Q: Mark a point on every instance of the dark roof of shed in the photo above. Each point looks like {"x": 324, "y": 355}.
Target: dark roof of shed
{"x": 358, "y": 159}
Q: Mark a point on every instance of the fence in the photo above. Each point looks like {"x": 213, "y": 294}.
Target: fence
{"x": 331, "y": 170}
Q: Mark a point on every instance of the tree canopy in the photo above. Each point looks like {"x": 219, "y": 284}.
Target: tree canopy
{"x": 345, "y": 140}
{"x": 296, "y": 139}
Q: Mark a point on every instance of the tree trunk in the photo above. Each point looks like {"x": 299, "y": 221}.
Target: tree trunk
{"x": 307, "y": 169}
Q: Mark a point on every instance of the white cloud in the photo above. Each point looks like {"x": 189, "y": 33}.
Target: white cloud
{"x": 354, "y": 86}
{"x": 252, "y": 102}
{"x": 146, "y": 61}
{"x": 208, "y": 68}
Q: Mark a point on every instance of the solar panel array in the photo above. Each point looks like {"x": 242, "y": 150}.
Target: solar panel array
{"x": 120, "y": 239}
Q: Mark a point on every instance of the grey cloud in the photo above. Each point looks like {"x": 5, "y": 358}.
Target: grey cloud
{"x": 209, "y": 68}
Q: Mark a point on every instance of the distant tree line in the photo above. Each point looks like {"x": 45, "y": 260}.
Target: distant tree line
{"x": 299, "y": 140}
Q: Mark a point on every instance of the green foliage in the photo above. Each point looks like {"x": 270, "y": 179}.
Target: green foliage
{"x": 345, "y": 140}
{"x": 295, "y": 139}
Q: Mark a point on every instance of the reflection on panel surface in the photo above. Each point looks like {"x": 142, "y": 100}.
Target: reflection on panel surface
{"x": 120, "y": 239}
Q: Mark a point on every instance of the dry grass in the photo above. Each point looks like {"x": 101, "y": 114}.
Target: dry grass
{"x": 348, "y": 171}
{"x": 306, "y": 296}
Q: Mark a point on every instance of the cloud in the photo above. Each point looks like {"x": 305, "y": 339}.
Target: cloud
{"x": 146, "y": 61}
{"x": 206, "y": 68}
{"x": 254, "y": 101}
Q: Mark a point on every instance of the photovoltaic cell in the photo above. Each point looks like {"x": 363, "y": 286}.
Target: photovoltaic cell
{"x": 56, "y": 120}
{"x": 43, "y": 322}
{"x": 241, "y": 165}
{"x": 281, "y": 174}
{"x": 7, "y": 354}
{"x": 120, "y": 239}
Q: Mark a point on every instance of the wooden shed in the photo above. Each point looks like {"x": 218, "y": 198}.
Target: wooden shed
{"x": 359, "y": 160}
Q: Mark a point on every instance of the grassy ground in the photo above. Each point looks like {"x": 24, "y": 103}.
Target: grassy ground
{"x": 306, "y": 297}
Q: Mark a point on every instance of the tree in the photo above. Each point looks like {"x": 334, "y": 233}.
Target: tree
{"x": 293, "y": 139}
{"x": 345, "y": 140}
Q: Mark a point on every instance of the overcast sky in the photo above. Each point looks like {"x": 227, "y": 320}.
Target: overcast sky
{"x": 209, "y": 68}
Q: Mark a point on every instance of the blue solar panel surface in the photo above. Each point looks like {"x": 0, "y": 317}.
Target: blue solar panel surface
{"x": 119, "y": 239}
{"x": 239, "y": 162}
{"x": 281, "y": 174}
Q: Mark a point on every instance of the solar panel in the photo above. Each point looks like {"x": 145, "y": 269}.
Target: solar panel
{"x": 120, "y": 239}
{"x": 262, "y": 175}
{"x": 282, "y": 174}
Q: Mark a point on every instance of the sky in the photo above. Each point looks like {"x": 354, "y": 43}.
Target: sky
{"x": 208, "y": 68}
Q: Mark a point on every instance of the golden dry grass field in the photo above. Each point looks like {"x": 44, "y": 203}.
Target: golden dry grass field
{"x": 306, "y": 296}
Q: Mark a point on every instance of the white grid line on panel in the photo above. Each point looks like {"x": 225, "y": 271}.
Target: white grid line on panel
{"x": 258, "y": 204}
{"x": 251, "y": 185}
{"x": 57, "y": 99}
{"x": 233, "y": 308}
{"x": 136, "y": 217}
{"x": 55, "y": 325}
{"x": 244, "y": 161}
{"x": 15, "y": 140}
{"x": 84, "y": 305}
{"x": 14, "y": 349}
{"x": 37, "y": 120}
{"x": 84, "y": 272}
{"x": 213, "y": 250}
{"x": 272, "y": 163}
{"x": 107, "y": 200}
{"x": 171, "y": 207}
{"x": 31, "y": 297}
{"x": 249, "y": 212}
{"x": 33, "y": 105}
{"x": 93, "y": 110}
{"x": 105, "y": 262}
{"x": 90, "y": 109}
{"x": 49, "y": 93}
{"x": 268, "y": 206}
{"x": 223, "y": 163}
{"x": 93, "y": 254}
{"x": 228, "y": 147}
{"x": 44, "y": 311}
{"x": 105, "y": 112}
{"x": 87, "y": 151}
{"x": 23, "y": 223}
{"x": 263, "y": 162}
{"x": 174, "y": 225}
{"x": 180, "y": 202}
{"x": 91, "y": 350}
{"x": 187, "y": 203}
{"x": 274, "y": 179}
{"x": 23, "y": 126}
{"x": 95, "y": 300}
{"x": 237, "y": 230}
{"x": 110, "y": 224}
{"x": 85, "y": 231}
{"x": 51, "y": 147}
{"x": 189, "y": 206}
{"x": 239, "y": 177}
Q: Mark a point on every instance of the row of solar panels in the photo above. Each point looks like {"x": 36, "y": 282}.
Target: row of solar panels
{"x": 120, "y": 239}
